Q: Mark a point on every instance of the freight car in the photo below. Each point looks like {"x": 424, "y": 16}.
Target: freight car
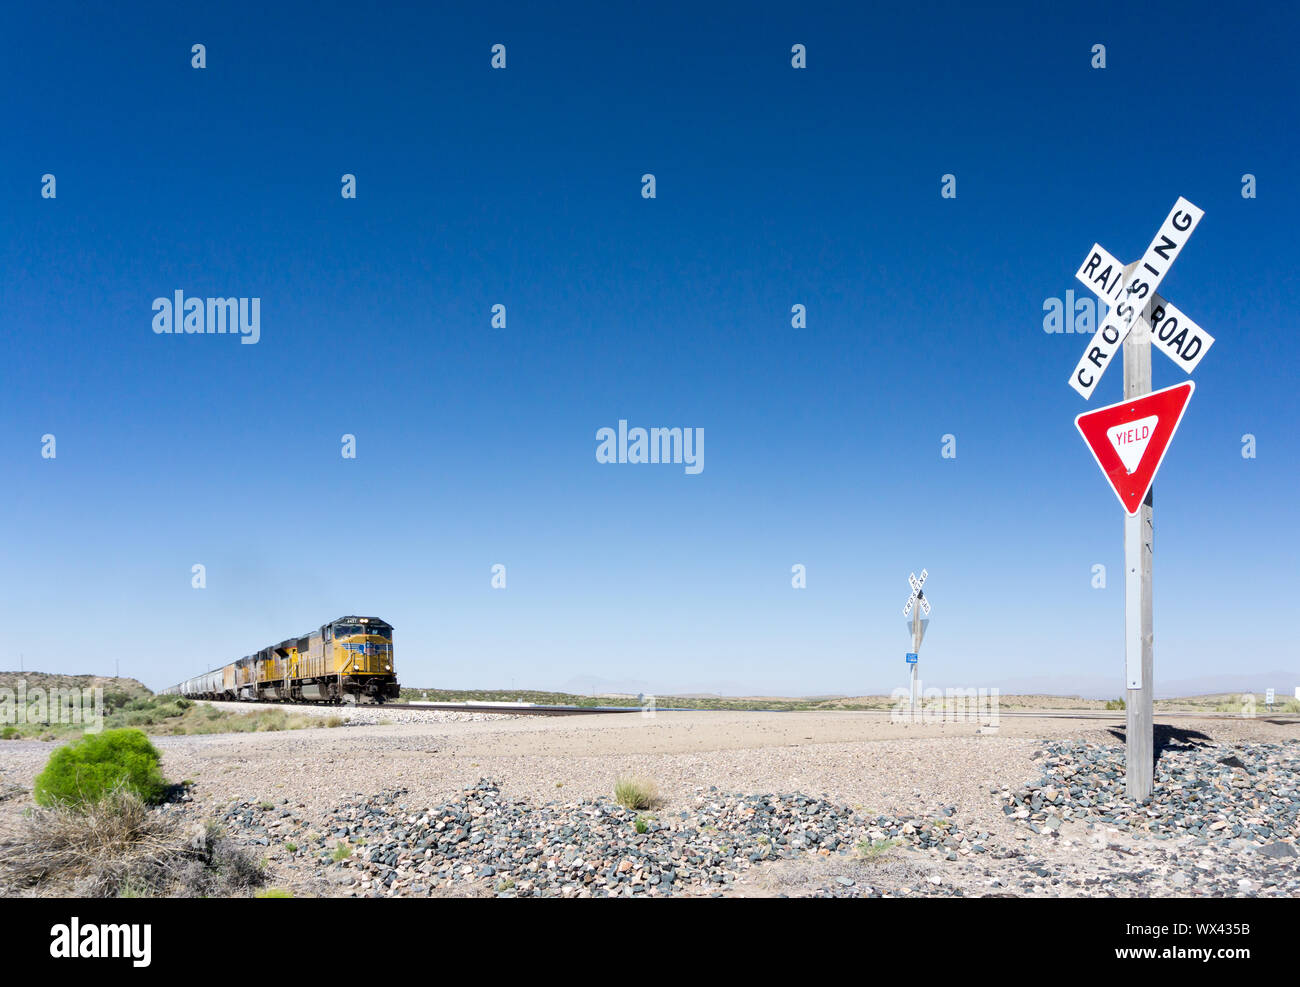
{"x": 346, "y": 660}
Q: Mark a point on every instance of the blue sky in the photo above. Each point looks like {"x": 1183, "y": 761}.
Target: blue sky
{"x": 476, "y": 446}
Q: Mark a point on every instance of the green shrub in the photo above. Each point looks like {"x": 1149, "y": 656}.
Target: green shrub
{"x": 114, "y": 700}
{"x": 84, "y": 772}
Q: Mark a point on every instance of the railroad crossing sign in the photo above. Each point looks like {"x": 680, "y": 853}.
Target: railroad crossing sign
{"x": 1180, "y": 339}
{"x": 916, "y": 605}
{"x": 918, "y": 596}
{"x": 1129, "y": 439}
{"x": 1133, "y": 291}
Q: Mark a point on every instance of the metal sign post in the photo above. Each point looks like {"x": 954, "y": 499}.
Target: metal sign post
{"x": 1137, "y": 314}
{"x": 1139, "y": 765}
{"x": 916, "y": 605}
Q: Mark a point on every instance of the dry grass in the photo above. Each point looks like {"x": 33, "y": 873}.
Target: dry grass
{"x": 636, "y": 793}
{"x": 119, "y": 847}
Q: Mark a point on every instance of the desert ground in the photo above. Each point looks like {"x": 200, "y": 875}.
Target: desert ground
{"x": 856, "y": 805}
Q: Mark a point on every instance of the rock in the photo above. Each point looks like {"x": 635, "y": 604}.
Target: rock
{"x": 1277, "y": 851}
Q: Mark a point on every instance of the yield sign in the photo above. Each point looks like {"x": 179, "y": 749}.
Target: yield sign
{"x": 1129, "y": 439}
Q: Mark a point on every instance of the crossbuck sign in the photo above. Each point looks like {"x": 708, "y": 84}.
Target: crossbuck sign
{"x": 917, "y": 597}
{"x": 1178, "y": 337}
{"x": 1132, "y": 292}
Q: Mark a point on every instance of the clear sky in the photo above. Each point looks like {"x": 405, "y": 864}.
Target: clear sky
{"x": 476, "y": 445}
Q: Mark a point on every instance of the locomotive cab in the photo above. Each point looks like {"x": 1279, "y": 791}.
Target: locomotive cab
{"x": 362, "y": 648}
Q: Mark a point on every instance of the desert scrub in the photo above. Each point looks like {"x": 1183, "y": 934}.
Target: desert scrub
{"x": 119, "y": 846}
{"x": 84, "y": 772}
{"x": 871, "y": 849}
{"x": 635, "y": 793}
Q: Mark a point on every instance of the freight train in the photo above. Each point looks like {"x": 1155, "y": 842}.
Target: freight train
{"x": 347, "y": 660}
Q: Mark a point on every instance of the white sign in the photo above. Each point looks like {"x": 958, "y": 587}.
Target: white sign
{"x": 1268, "y": 697}
{"x": 1130, "y": 440}
{"x": 1174, "y": 334}
{"x": 917, "y": 596}
{"x": 1135, "y": 291}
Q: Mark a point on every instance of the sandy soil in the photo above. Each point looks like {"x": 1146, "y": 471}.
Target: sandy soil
{"x": 861, "y": 759}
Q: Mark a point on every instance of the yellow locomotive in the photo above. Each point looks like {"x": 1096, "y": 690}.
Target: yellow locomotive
{"x": 346, "y": 660}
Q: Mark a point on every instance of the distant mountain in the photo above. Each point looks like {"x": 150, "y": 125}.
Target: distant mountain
{"x": 595, "y": 685}
{"x": 1110, "y": 687}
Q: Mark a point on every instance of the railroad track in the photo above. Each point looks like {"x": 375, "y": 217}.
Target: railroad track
{"x": 525, "y": 709}
{"x": 1059, "y": 714}
{"x": 530, "y": 709}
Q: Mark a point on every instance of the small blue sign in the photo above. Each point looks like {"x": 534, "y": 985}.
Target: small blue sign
{"x": 911, "y": 657}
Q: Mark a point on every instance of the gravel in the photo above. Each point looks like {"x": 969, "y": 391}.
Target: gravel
{"x": 826, "y": 805}
{"x": 486, "y": 843}
{"x": 1247, "y": 792}
{"x": 1212, "y": 829}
